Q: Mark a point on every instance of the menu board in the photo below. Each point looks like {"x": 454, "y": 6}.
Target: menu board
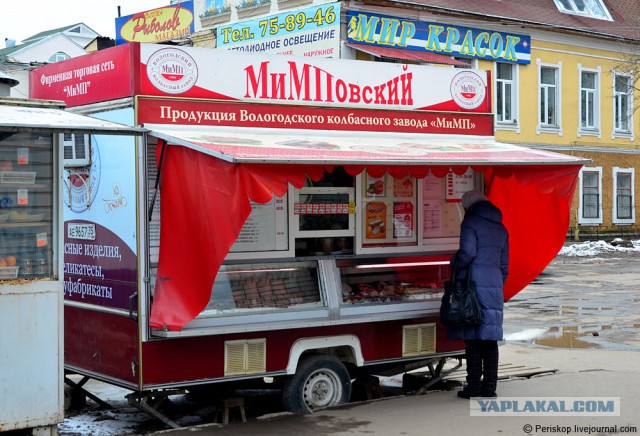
{"x": 265, "y": 229}
{"x": 441, "y": 218}
{"x": 458, "y": 185}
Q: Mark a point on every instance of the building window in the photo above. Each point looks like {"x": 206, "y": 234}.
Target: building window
{"x": 549, "y": 99}
{"x": 59, "y": 56}
{"x": 587, "y": 8}
{"x": 506, "y": 93}
{"x": 468, "y": 61}
{"x": 623, "y": 183}
{"x": 589, "y": 102}
{"x": 590, "y": 196}
{"x": 622, "y": 104}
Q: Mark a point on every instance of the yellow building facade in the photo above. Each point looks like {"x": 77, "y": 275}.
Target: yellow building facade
{"x": 594, "y": 118}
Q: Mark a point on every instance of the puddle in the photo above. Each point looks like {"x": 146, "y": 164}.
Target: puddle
{"x": 566, "y": 337}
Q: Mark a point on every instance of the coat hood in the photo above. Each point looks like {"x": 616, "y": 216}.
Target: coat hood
{"x": 486, "y": 210}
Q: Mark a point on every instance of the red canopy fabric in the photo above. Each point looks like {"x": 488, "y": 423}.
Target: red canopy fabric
{"x": 535, "y": 201}
{"x": 536, "y": 207}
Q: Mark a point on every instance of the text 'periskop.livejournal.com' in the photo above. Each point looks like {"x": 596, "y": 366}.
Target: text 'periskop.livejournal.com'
{"x": 556, "y": 406}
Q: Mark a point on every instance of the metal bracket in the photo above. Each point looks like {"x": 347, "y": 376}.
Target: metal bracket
{"x": 149, "y": 401}
{"x": 437, "y": 373}
{"x": 79, "y": 386}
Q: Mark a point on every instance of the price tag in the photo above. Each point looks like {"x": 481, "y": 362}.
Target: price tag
{"x": 23, "y": 197}
{"x": 41, "y": 239}
{"x": 23, "y": 156}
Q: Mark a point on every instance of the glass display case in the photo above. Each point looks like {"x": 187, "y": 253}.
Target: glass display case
{"x": 263, "y": 287}
{"x": 402, "y": 279}
{"x": 26, "y": 204}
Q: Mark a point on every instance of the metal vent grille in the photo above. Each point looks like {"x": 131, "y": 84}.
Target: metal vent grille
{"x": 419, "y": 339}
{"x": 256, "y": 356}
{"x": 245, "y": 357}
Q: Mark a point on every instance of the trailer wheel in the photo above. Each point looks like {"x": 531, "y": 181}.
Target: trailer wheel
{"x": 319, "y": 382}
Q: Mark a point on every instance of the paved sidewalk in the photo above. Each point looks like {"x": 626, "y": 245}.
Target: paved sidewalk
{"x": 581, "y": 373}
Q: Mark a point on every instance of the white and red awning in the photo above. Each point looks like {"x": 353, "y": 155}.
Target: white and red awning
{"x": 286, "y": 146}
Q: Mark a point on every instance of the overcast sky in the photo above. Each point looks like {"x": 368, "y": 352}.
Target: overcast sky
{"x": 24, "y": 18}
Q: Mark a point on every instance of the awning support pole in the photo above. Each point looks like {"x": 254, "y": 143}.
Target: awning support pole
{"x": 157, "y": 184}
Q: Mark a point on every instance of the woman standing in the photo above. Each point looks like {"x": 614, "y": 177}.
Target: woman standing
{"x": 483, "y": 253}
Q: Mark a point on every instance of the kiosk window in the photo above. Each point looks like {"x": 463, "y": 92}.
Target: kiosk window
{"x": 26, "y": 205}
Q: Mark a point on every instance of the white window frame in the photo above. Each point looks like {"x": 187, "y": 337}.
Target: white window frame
{"x": 615, "y": 132}
{"x": 513, "y": 123}
{"x": 58, "y": 57}
{"x": 614, "y": 214}
{"x": 550, "y": 128}
{"x": 590, "y": 6}
{"x": 595, "y": 92}
{"x": 581, "y": 218}
{"x": 71, "y": 142}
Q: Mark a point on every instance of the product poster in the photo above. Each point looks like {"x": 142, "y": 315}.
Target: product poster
{"x": 376, "y": 220}
{"x": 100, "y": 214}
{"x": 375, "y": 186}
{"x": 403, "y": 188}
{"x": 403, "y": 220}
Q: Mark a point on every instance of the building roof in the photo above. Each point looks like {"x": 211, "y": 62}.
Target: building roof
{"x": 7, "y": 51}
{"x": 67, "y": 31}
{"x": 543, "y": 14}
{"x": 46, "y": 33}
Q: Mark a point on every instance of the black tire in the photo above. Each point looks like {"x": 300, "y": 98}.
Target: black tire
{"x": 319, "y": 382}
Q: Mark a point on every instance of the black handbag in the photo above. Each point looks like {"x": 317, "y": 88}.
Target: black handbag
{"x": 460, "y": 305}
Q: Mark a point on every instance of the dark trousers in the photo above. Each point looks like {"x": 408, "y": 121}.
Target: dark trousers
{"x": 482, "y": 366}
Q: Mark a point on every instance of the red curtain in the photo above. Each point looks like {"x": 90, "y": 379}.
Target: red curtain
{"x": 205, "y": 202}
{"x": 536, "y": 207}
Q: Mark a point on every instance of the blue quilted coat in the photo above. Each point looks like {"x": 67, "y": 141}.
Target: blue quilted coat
{"x": 484, "y": 251}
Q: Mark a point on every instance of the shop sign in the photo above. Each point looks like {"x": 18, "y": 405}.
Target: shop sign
{"x": 311, "y": 81}
{"x": 156, "y": 25}
{"x": 85, "y": 79}
{"x": 386, "y": 31}
{"x": 311, "y": 32}
{"x": 235, "y": 114}
{"x": 202, "y": 73}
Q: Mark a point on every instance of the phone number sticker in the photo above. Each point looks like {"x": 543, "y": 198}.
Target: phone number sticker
{"x": 280, "y": 25}
{"x": 81, "y": 231}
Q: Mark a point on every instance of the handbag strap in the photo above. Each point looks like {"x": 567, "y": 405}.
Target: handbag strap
{"x": 454, "y": 269}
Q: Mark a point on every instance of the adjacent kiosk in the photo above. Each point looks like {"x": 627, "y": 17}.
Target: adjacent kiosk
{"x": 33, "y": 134}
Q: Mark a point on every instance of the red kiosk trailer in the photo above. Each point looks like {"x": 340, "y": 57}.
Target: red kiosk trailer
{"x": 290, "y": 218}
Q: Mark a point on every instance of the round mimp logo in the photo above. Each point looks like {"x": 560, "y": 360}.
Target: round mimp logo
{"x": 81, "y": 184}
{"x": 468, "y": 90}
{"x": 172, "y": 71}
